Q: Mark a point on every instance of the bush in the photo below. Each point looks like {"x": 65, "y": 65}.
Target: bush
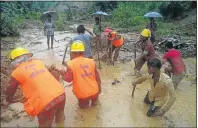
{"x": 33, "y": 15}
{"x": 60, "y": 26}
{"x": 131, "y": 14}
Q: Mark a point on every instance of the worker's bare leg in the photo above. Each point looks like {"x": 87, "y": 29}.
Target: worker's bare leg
{"x": 52, "y": 41}
{"x": 139, "y": 63}
{"x": 117, "y": 50}
{"x": 94, "y": 100}
{"x": 83, "y": 103}
{"x": 48, "y": 38}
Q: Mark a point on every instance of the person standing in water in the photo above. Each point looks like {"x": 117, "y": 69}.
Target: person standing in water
{"x": 49, "y": 27}
{"x": 97, "y": 30}
{"x": 152, "y": 26}
{"x": 86, "y": 39}
{"x": 83, "y": 73}
{"x": 177, "y": 69}
{"x": 148, "y": 51}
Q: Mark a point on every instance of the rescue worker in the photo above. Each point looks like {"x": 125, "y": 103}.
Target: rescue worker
{"x": 49, "y": 27}
{"x": 82, "y": 71}
{"x": 148, "y": 51}
{"x": 177, "y": 68}
{"x": 34, "y": 79}
{"x": 162, "y": 94}
{"x": 97, "y": 30}
{"x": 115, "y": 42}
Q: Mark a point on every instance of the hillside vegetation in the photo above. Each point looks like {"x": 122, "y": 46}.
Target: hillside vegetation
{"x": 125, "y": 16}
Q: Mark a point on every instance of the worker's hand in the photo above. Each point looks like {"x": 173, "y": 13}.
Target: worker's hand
{"x": 134, "y": 84}
{"x": 62, "y": 71}
{"x": 64, "y": 63}
{"x": 160, "y": 112}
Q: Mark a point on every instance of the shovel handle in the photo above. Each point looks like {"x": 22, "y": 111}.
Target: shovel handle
{"x": 64, "y": 55}
{"x": 133, "y": 91}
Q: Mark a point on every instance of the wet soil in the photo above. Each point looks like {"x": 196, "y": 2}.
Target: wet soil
{"x": 116, "y": 107}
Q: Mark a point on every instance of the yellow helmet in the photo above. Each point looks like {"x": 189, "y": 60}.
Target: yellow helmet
{"x": 113, "y": 34}
{"x": 146, "y": 33}
{"x": 77, "y": 46}
{"x": 19, "y": 52}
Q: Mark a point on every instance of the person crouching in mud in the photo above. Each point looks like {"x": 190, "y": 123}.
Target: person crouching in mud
{"x": 115, "y": 42}
{"x": 148, "y": 52}
{"x": 44, "y": 95}
{"x": 82, "y": 71}
{"x": 161, "y": 84}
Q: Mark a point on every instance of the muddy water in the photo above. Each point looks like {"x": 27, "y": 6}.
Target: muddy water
{"x": 116, "y": 108}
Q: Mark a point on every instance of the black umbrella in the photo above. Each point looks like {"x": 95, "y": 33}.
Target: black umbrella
{"x": 54, "y": 15}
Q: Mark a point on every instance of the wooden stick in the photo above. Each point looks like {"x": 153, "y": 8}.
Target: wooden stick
{"x": 98, "y": 54}
{"x": 99, "y": 44}
{"x": 132, "y": 94}
{"x": 64, "y": 54}
{"x": 135, "y": 66}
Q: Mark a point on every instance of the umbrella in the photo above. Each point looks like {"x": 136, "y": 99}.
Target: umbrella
{"x": 100, "y": 15}
{"x": 153, "y": 14}
{"x": 43, "y": 17}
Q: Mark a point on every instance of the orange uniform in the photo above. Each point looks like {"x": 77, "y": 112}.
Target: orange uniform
{"x": 84, "y": 77}
{"x": 38, "y": 85}
{"x": 116, "y": 42}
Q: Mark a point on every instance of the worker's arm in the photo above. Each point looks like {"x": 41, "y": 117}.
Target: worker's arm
{"x": 165, "y": 57}
{"x": 98, "y": 79}
{"x": 164, "y": 61}
{"x": 91, "y": 33}
{"x": 67, "y": 75}
{"x": 11, "y": 90}
{"x": 140, "y": 80}
{"x": 171, "y": 99}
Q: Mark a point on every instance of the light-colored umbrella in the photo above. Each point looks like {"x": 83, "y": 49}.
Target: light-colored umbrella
{"x": 153, "y": 14}
{"x": 54, "y": 15}
{"x": 100, "y": 15}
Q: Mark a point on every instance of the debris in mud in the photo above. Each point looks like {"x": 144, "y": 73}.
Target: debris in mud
{"x": 54, "y": 71}
{"x": 115, "y": 81}
{"x": 15, "y": 115}
{"x": 17, "y": 107}
{"x": 186, "y": 49}
{"x": 6, "y": 117}
{"x": 35, "y": 43}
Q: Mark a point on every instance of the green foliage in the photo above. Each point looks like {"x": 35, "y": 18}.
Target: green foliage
{"x": 60, "y": 23}
{"x": 105, "y": 5}
{"x": 130, "y": 15}
{"x": 33, "y": 15}
{"x": 13, "y": 14}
